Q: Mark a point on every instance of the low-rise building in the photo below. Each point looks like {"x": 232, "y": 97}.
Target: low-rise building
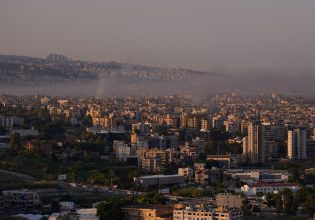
{"x": 264, "y": 175}
{"x": 20, "y": 199}
{"x": 187, "y": 172}
{"x": 228, "y": 200}
{"x": 66, "y": 206}
{"x": 43, "y": 147}
{"x": 227, "y": 161}
{"x": 267, "y": 188}
{"x": 161, "y": 179}
{"x": 88, "y": 214}
{"x": 148, "y": 212}
{"x": 201, "y": 173}
{"x": 55, "y": 216}
{"x": 10, "y": 122}
{"x": 207, "y": 213}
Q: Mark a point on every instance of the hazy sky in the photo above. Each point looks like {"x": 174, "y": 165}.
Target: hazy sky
{"x": 197, "y": 34}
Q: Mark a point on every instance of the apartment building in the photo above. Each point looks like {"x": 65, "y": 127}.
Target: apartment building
{"x": 187, "y": 172}
{"x": 297, "y": 144}
{"x": 267, "y": 188}
{"x": 228, "y": 200}
{"x": 20, "y": 199}
{"x": 254, "y": 147}
{"x": 88, "y": 214}
{"x": 201, "y": 173}
{"x": 148, "y": 212}
{"x": 10, "y": 122}
{"x": 206, "y": 213}
{"x": 153, "y": 159}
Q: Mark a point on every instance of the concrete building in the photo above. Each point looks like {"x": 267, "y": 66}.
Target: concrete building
{"x": 201, "y": 173}
{"x": 148, "y": 212}
{"x": 25, "y": 132}
{"x": 157, "y": 180}
{"x": 267, "y": 188}
{"x": 204, "y": 124}
{"x": 41, "y": 146}
{"x": 200, "y": 145}
{"x": 20, "y": 199}
{"x": 254, "y": 145}
{"x": 123, "y": 152}
{"x": 10, "y": 122}
{"x": 187, "y": 172}
{"x": 88, "y": 214}
{"x": 154, "y": 159}
{"x": 254, "y": 176}
{"x": 227, "y": 161}
{"x": 231, "y": 126}
{"x": 55, "y": 216}
{"x": 228, "y": 200}
{"x": 297, "y": 144}
{"x": 217, "y": 122}
{"x": 205, "y": 213}
{"x": 66, "y": 206}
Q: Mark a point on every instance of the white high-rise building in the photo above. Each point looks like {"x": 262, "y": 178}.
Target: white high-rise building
{"x": 297, "y": 144}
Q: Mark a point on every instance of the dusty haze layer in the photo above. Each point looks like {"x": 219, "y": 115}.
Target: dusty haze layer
{"x": 249, "y": 46}
{"x": 199, "y": 34}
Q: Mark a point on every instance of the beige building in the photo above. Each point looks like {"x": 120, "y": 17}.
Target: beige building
{"x": 201, "y": 173}
{"x": 297, "y": 144}
{"x": 187, "y": 172}
{"x": 254, "y": 147}
{"x": 204, "y": 213}
{"x": 148, "y": 212}
{"x": 106, "y": 122}
{"x": 228, "y": 200}
{"x": 153, "y": 159}
{"x": 204, "y": 123}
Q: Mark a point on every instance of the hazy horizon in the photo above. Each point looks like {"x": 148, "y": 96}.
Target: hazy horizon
{"x": 202, "y": 35}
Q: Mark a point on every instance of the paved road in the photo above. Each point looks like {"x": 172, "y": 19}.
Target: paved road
{"x": 15, "y": 174}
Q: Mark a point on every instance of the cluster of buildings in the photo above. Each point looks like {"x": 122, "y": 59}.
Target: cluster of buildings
{"x": 19, "y": 200}
{"x": 189, "y": 211}
{"x": 171, "y": 132}
{"x": 264, "y": 142}
{"x": 10, "y": 122}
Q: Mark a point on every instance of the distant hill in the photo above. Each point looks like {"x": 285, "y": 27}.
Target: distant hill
{"x": 24, "y": 70}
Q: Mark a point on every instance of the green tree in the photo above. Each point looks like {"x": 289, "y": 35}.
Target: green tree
{"x": 132, "y": 174}
{"x": 270, "y": 201}
{"x": 110, "y": 210}
{"x": 15, "y": 141}
{"x": 289, "y": 204}
{"x": 286, "y": 203}
{"x": 150, "y": 198}
{"x": 307, "y": 196}
{"x": 310, "y": 204}
{"x": 246, "y": 207}
{"x": 87, "y": 121}
{"x": 161, "y": 129}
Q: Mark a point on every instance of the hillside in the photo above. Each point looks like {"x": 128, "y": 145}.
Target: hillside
{"x": 22, "y": 70}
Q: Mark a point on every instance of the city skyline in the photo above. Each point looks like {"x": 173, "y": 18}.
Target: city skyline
{"x": 165, "y": 109}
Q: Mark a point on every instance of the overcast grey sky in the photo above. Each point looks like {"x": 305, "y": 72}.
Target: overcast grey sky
{"x": 197, "y": 34}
